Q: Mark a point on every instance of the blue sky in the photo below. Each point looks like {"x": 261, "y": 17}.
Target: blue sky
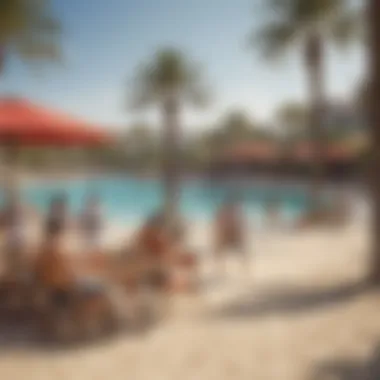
{"x": 104, "y": 41}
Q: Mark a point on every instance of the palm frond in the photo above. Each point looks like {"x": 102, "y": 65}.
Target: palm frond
{"x": 306, "y": 12}
{"x": 287, "y": 20}
{"x": 273, "y": 40}
{"x": 196, "y": 91}
{"x": 168, "y": 73}
{"x": 140, "y": 90}
{"x": 347, "y": 28}
{"x": 28, "y": 28}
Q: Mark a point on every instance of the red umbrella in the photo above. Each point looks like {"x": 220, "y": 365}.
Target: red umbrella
{"x": 24, "y": 123}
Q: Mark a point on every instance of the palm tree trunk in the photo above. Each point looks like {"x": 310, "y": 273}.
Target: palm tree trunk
{"x": 374, "y": 120}
{"x": 314, "y": 65}
{"x": 171, "y": 164}
{"x": 2, "y": 58}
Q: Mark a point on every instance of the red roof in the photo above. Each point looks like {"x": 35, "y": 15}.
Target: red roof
{"x": 264, "y": 152}
{"x": 256, "y": 151}
{"x": 337, "y": 152}
{"x": 25, "y": 123}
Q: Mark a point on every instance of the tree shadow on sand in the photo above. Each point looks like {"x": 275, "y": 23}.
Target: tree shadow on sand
{"x": 288, "y": 300}
{"x": 349, "y": 369}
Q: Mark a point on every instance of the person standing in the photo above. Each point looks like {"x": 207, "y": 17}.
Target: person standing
{"x": 229, "y": 233}
{"x": 91, "y": 222}
{"x": 57, "y": 219}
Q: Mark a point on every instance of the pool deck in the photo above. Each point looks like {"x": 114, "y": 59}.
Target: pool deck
{"x": 300, "y": 312}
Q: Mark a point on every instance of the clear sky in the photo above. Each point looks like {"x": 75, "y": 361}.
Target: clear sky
{"x": 104, "y": 41}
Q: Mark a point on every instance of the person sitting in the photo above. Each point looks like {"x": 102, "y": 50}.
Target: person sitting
{"x": 167, "y": 261}
{"x": 229, "y": 231}
{"x": 91, "y": 224}
{"x": 69, "y": 297}
{"x": 153, "y": 245}
{"x": 57, "y": 220}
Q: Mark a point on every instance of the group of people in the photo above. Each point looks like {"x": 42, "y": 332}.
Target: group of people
{"x": 152, "y": 240}
{"x": 16, "y": 217}
{"x": 229, "y": 228}
{"x": 155, "y": 258}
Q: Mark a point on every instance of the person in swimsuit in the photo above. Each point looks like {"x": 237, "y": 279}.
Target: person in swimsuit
{"x": 57, "y": 219}
{"x": 229, "y": 231}
{"x": 153, "y": 244}
{"x": 54, "y": 269}
{"x": 91, "y": 224}
{"x": 148, "y": 258}
{"x": 69, "y": 299}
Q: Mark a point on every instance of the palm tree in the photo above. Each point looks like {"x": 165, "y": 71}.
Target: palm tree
{"x": 236, "y": 127}
{"x": 169, "y": 80}
{"x": 308, "y": 24}
{"x": 29, "y": 30}
{"x": 292, "y": 119}
{"x": 374, "y": 123}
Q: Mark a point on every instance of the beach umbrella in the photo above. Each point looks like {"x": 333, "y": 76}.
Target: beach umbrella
{"x": 25, "y": 124}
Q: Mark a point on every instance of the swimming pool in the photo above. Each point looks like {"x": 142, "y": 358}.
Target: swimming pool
{"x": 133, "y": 199}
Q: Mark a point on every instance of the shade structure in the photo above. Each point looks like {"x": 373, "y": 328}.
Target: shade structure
{"x": 25, "y": 124}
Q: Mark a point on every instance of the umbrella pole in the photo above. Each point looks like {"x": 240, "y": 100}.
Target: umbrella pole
{"x": 11, "y": 180}
{"x": 90, "y": 188}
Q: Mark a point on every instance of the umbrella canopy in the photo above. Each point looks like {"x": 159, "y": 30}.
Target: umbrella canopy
{"x": 24, "y": 123}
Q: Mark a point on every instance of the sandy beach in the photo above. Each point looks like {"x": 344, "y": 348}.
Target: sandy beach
{"x": 302, "y": 312}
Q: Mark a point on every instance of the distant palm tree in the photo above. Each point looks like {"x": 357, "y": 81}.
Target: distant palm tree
{"x": 310, "y": 24}
{"x": 169, "y": 80}
{"x": 292, "y": 118}
{"x": 374, "y": 123}
{"x": 29, "y": 30}
{"x": 236, "y": 126}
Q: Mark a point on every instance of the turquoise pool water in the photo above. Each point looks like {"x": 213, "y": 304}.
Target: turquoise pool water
{"x": 131, "y": 199}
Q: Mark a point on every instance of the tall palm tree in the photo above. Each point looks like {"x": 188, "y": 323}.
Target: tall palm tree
{"x": 308, "y": 24}
{"x": 374, "y": 123}
{"x": 29, "y": 30}
{"x": 169, "y": 80}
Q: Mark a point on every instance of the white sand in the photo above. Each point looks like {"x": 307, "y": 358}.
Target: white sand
{"x": 300, "y": 308}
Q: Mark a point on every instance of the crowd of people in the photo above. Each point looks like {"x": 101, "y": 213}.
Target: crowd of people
{"x": 15, "y": 217}
{"x": 156, "y": 257}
